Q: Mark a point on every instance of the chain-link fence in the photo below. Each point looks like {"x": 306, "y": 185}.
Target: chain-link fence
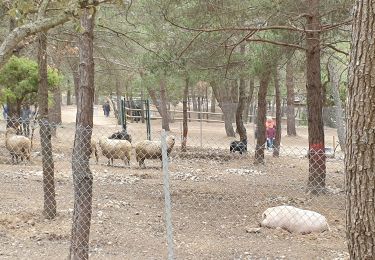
{"x": 206, "y": 201}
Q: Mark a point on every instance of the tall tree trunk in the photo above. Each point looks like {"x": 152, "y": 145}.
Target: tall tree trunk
{"x": 261, "y": 118}
{"x": 317, "y": 159}
{"x": 55, "y": 111}
{"x": 82, "y": 176}
{"x": 249, "y": 101}
{"x": 117, "y": 109}
{"x": 360, "y": 153}
{"x": 163, "y": 105}
{"x": 194, "y": 99}
{"x": 227, "y": 107}
{"x": 340, "y": 124}
{"x": 241, "y": 105}
{"x": 76, "y": 83}
{"x": 213, "y": 102}
{"x": 185, "y": 115}
{"x": 69, "y": 97}
{"x": 276, "y": 150}
{"x": 289, "y": 81}
{"x": 13, "y": 104}
{"x": 206, "y": 97}
{"x": 49, "y": 208}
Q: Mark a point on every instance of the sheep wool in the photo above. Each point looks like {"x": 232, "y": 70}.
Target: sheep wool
{"x": 152, "y": 149}
{"x": 115, "y": 149}
{"x": 19, "y": 146}
{"x": 294, "y": 219}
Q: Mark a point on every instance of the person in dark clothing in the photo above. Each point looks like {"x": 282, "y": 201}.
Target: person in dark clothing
{"x": 25, "y": 119}
{"x": 106, "y": 109}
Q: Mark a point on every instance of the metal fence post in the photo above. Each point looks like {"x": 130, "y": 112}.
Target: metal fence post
{"x": 123, "y": 115}
{"x": 167, "y": 195}
{"x": 200, "y": 126}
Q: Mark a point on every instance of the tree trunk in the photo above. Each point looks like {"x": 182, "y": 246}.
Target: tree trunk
{"x": 117, "y": 110}
{"x": 249, "y": 101}
{"x": 317, "y": 159}
{"x": 185, "y": 116}
{"x": 276, "y": 150}
{"x": 49, "y": 208}
{"x": 76, "y": 83}
{"x": 55, "y": 111}
{"x": 163, "y": 105}
{"x": 69, "y": 97}
{"x": 241, "y": 105}
{"x": 360, "y": 153}
{"x": 82, "y": 176}
{"x": 228, "y": 107}
{"x": 213, "y": 102}
{"x": 289, "y": 81}
{"x": 261, "y": 118}
{"x": 340, "y": 124}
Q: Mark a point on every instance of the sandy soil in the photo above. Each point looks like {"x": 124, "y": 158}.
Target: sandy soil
{"x": 217, "y": 200}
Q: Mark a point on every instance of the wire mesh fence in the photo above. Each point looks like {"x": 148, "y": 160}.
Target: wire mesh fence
{"x": 205, "y": 202}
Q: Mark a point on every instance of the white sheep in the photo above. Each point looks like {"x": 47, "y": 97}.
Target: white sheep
{"x": 152, "y": 149}
{"x": 115, "y": 149}
{"x": 294, "y": 219}
{"x": 17, "y": 145}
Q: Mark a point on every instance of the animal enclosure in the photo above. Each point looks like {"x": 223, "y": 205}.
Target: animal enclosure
{"x": 217, "y": 199}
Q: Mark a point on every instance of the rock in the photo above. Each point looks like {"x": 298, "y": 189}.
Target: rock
{"x": 254, "y": 230}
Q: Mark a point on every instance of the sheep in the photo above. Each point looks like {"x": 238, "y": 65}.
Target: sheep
{"x": 294, "y": 219}
{"x": 17, "y": 145}
{"x": 94, "y": 150}
{"x": 152, "y": 150}
{"x": 238, "y": 146}
{"x": 115, "y": 149}
{"x": 121, "y": 135}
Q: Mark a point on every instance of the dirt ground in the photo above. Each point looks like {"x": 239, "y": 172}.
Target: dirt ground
{"x": 217, "y": 200}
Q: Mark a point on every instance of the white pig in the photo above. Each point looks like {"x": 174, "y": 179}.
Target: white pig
{"x": 294, "y": 219}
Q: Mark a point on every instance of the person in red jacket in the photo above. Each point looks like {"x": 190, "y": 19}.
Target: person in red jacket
{"x": 271, "y": 134}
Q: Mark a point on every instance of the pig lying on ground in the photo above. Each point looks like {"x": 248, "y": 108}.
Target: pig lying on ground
{"x": 294, "y": 220}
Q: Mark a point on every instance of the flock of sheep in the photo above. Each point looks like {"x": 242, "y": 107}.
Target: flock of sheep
{"x": 116, "y": 146}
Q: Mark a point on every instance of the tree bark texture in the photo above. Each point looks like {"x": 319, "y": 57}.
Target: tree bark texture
{"x": 317, "y": 159}
{"x": 82, "y": 175}
{"x": 276, "y": 150}
{"x": 360, "y": 153}
{"x": 69, "y": 97}
{"x": 289, "y": 81}
{"x": 55, "y": 111}
{"x": 49, "y": 208}
{"x": 185, "y": 115}
{"x": 340, "y": 124}
{"x": 241, "y": 104}
{"x": 163, "y": 105}
{"x": 224, "y": 95}
{"x": 249, "y": 101}
{"x": 213, "y": 102}
{"x": 261, "y": 118}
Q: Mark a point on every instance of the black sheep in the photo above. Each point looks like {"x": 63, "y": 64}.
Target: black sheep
{"x": 238, "y": 146}
{"x": 121, "y": 135}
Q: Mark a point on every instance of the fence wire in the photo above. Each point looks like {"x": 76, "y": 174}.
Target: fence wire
{"x": 208, "y": 200}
